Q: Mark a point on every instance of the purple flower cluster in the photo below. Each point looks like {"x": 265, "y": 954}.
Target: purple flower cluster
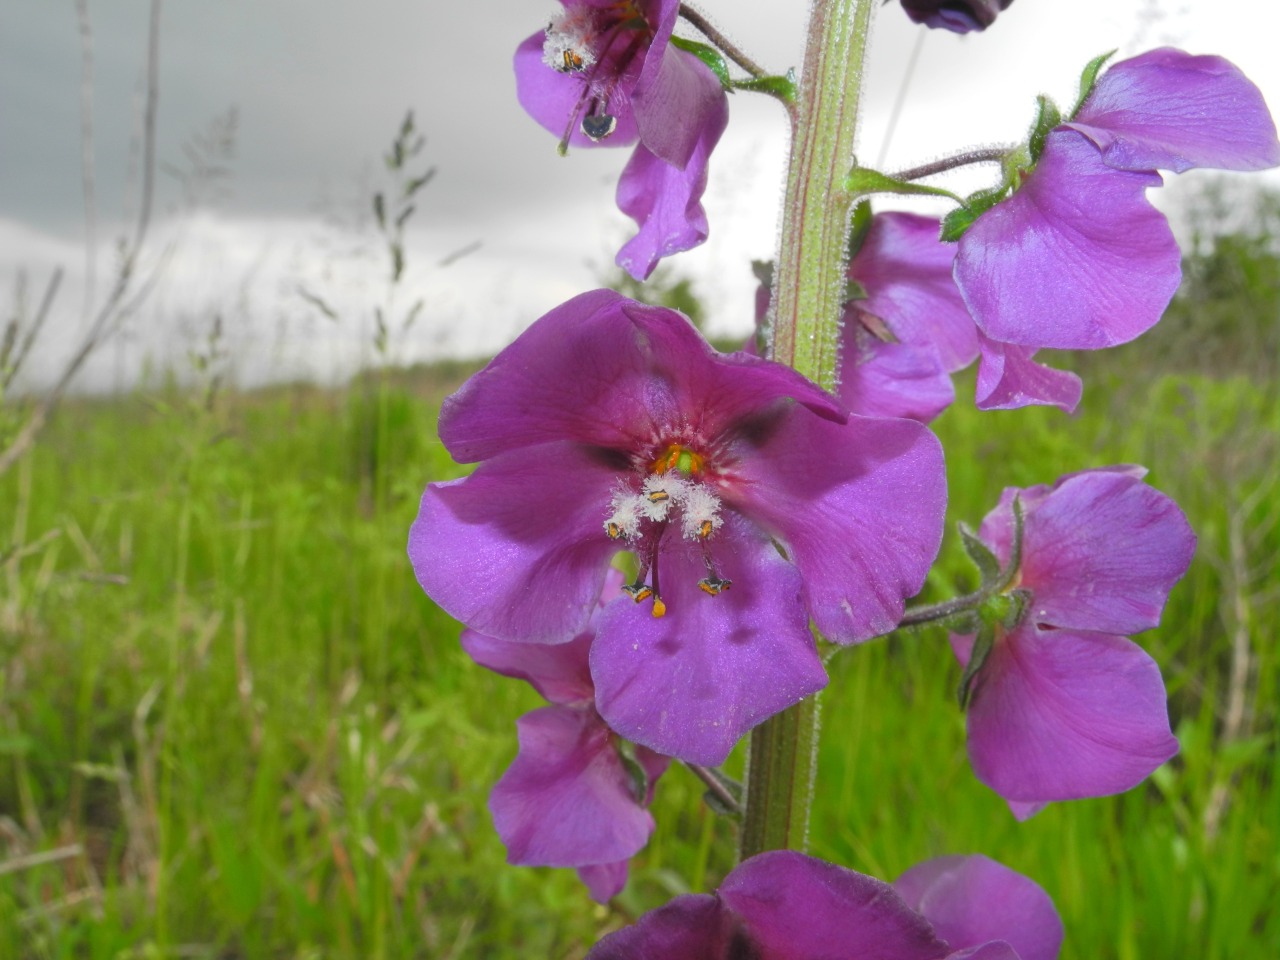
{"x": 654, "y": 530}
{"x": 604, "y": 72}
{"x": 1065, "y": 706}
{"x": 783, "y": 905}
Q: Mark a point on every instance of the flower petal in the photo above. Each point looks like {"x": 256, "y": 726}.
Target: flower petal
{"x": 859, "y": 508}
{"x": 566, "y": 800}
{"x": 517, "y": 550}
{"x": 606, "y": 371}
{"x": 879, "y": 379}
{"x": 665, "y": 200}
{"x": 604, "y": 881}
{"x": 1008, "y": 379}
{"x": 1168, "y": 110}
{"x": 974, "y": 900}
{"x": 691, "y": 927}
{"x": 683, "y": 99}
{"x": 1100, "y": 551}
{"x": 691, "y": 683}
{"x": 1076, "y": 258}
{"x": 554, "y": 99}
{"x": 1057, "y": 715}
{"x": 907, "y": 273}
{"x": 558, "y": 671}
{"x": 796, "y": 907}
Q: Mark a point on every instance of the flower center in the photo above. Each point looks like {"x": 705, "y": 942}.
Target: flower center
{"x": 672, "y": 494}
{"x": 597, "y": 44}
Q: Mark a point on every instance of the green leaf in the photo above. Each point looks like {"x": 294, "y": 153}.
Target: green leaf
{"x": 1088, "y": 77}
{"x": 708, "y": 55}
{"x": 784, "y": 88}
{"x": 1048, "y": 116}
{"x": 380, "y": 211}
{"x": 862, "y": 181}
{"x": 987, "y": 563}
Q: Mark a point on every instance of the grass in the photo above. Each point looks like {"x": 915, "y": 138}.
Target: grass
{"x": 231, "y": 726}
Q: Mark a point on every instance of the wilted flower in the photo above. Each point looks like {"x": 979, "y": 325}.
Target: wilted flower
{"x": 1077, "y": 258}
{"x": 605, "y": 72}
{"x": 958, "y": 16}
{"x": 570, "y": 798}
{"x": 1063, "y": 706}
{"x": 783, "y": 905}
{"x": 747, "y": 497}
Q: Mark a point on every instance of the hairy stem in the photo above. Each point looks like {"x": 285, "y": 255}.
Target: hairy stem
{"x": 808, "y": 299}
{"x": 723, "y": 43}
{"x": 986, "y": 155}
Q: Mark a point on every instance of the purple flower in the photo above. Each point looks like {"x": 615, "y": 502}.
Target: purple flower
{"x": 1077, "y": 258}
{"x": 958, "y": 16}
{"x": 783, "y": 905}
{"x": 984, "y": 910}
{"x": 780, "y": 905}
{"x": 568, "y": 799}
{"x": 1064, "y": 706}
{"x": 605, "y": 72}
{"x": 903, "y": 342}
{"x": 749, "y": 501}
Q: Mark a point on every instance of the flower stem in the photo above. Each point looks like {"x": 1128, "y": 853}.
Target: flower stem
{"x": 985, "y": 155}
{"x": 725, "y": 45}
{"x": 809, "y": 283}
{"x": 934, "y": 612}
{"x": 808, "y": 299}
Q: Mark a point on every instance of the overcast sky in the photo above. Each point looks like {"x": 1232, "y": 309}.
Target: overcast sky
{"x": 319, "y": 87}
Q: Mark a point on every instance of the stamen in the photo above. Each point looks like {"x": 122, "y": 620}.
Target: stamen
{"x": 567, "y": 47}
{"x": 701, "y": 512}
{"x": 638, "y": 591}
{"x": 712, "y": 584}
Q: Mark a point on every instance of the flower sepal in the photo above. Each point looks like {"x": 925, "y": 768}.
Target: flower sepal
{"x": 983, "y": 557}
{"x": 1048, "y": 116}
{"x": 1088, "y": 78}
{"x": 955, "y": 223}
{"x": 641, "y": 783}
{"x": 710, "y": 56}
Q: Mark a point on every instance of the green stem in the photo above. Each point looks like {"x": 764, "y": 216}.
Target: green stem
{"x": 809, "y": 283}
{"x": 808, "y": 299}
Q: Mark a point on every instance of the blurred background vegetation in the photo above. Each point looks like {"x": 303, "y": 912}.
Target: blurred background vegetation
{"x": 232, "y": 726}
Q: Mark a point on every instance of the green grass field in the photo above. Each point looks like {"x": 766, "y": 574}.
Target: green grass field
{"x": 231, "y": 725}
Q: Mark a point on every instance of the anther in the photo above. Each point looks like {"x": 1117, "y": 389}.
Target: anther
{"x": 704, "y": 529}
{"x": 613, "y": 530}
{"x": 714, "y": 586}
{"x": 658, "y": 496}
{"x": 659, "y": 608}
{"x": 639, "y": 591}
